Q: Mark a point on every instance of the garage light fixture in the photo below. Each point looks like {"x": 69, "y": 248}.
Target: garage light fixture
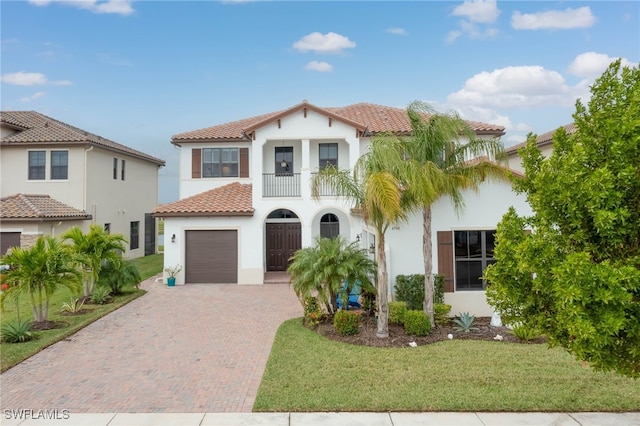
{"x": 173, "y": 238}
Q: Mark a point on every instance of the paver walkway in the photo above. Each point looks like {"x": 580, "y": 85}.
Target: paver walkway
{"x": 192, "y": 348}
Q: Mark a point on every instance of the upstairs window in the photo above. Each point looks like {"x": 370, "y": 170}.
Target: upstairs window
{"x": 220, "y": 162}
{"x": 122, "y": 170}
{"x": 59, "y": 165}
{"x": 284, "y": 160}
{"x": 115, "y": 168}
{"x": 328, "y": 154}
{"x": 37, "y": 162}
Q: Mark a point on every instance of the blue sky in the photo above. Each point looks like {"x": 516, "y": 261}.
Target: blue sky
{"x": 138, "y": 72}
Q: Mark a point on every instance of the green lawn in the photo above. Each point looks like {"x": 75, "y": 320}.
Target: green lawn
{"x": 14, "y": 353}
{"x": 308, "y": 372}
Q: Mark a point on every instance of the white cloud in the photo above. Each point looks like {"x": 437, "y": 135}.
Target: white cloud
{"x": 515, "y": 87}
{"x": 591, "y": 65}
{"x": 397, "y": 31}
{"x": 554, "y": 19}
{"x": 22, "y": 78}
{"x": 485, "y": 12}
{"x": 324, "y": 43}
{"x": 61, "y": 83}
{"x": 121, "y": 7}
{"x": 32, "y": 97}
{"x": 319, "y": 66}
{"x": 452, "y": 36}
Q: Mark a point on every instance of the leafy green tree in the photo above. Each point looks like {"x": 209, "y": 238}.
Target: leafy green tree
{"x": 576, "y": 275}
{"x": 438, "y": 154}
{"x": 119, "y": 273}
{"x": 95, "y": 249}
{"x": 375, "y": 189}
{"x": 39, "y": 271}
{"x": 321, "y": 270}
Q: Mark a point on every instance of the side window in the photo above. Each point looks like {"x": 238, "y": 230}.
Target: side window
{"x": 37, "y": 161}
{"x": 122, "y": 170}
{"x": 220, "y": 162}
{"x": 115, "y": 168}
{"x": 328, "y": 154}
{"x": 473, "y": 251}
{"x": 284, "y": 160}
{"x": 59, "y": 165}
{"x": 134, "y": 235}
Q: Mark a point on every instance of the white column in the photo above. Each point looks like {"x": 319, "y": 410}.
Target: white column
{"x": 305, "y": 171}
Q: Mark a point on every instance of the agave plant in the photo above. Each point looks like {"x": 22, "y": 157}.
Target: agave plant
{"x": 17, "y": 331}
{"x": 465, "y": 322}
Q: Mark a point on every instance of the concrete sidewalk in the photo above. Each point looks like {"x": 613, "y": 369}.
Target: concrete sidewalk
{"x": 327, "y": 419}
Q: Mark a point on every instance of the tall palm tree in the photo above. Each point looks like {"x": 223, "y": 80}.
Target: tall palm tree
{"x": 444, "y": 157}
{"x": 38, "y": 271}
{"x": 322, "y": 269}
{"x": 95, "y": 249}
{"x": 375, "y": 189}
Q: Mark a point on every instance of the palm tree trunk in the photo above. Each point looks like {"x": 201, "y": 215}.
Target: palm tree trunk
{"x": 34, "y": 308}
{"x": 427, "y": 249}
{"x": 383, "y": 280}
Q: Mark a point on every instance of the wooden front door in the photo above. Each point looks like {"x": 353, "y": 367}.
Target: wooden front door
{"x": 283, "y": 239}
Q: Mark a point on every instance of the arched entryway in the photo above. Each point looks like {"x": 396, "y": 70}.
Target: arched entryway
{"x": 283, "y": 238}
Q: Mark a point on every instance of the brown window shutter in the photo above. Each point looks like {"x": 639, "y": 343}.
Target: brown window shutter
{"x": 445, "y": 259}
{"x": 196, "y": 163}
{"x": 244, "y": 162}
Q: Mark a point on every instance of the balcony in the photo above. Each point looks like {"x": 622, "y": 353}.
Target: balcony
{"x": 323, "y": 190}
{"x": 281, "y": 185}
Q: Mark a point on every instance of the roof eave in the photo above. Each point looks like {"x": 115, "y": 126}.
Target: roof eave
{"x": 202, "y": 214}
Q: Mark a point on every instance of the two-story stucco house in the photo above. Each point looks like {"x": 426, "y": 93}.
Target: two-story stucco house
{"x": 246, "y": 206}
{"x": 55, "y": 176}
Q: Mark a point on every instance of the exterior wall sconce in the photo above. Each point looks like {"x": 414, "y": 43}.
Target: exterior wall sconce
{"x": 358, "y": 236}
{"x": 372, "y": 248}
{"x": 173, "y": 238}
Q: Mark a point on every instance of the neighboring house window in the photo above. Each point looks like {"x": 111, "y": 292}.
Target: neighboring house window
{"x": 59, "y": 164}
{"x": 328, "y": 155}
{"x": 134, "y": 235}
{"x": 329, "y": 226}
{"x": 122, "y": 171}
{"x": 473, "y": 253}
{"x": 220, "y": 162}
{"x": 107, "y": 228}
{"x": 284, "y": 160}
{"x": 37, "y": 161}
{"x": 115, "y": 168}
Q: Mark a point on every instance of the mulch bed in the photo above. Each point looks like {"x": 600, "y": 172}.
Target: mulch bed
{"x": 398, "y": 338}
{"x": 47, "y": 325}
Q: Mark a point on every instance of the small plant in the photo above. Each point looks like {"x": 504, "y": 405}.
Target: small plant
{"x": 441, "y": 313}
{"x": 410, "y": 289}
{"x": 524, "y": 332}
{"x": 416, "y": 323}
{"x": 101, "y": 295}
{"x": 397, "y": 311}
{"x": 172, "y": 271}
{"x": 73, "y": 306}
{"x": 312, "y": 312}
{"x": 346, "y": 323}
{"x": 17, "y": 331}
{"x": 465, "y": 322}
{"x": 438, "y": 288}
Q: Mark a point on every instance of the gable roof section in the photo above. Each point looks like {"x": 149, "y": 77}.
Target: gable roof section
{"x": 40, "y": 207}
{"x": 234, "y": 199}
{"x": 35, "y": 128}
{"x": 542, "y": 140}
{"x": 367, "y": 118}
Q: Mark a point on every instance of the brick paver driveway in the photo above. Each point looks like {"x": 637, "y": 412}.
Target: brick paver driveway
{"x": 193, "y": 348}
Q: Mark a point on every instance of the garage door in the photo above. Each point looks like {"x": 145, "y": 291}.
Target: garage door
{"x": 211, "y": 257}
{"x": 9, "y": 239}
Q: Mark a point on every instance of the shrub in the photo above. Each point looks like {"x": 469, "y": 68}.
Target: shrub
{"x": 73, "y": 306}
{"x": 368, "y": 299}
{"x": 438, "y": 288}
{"x": 396, "y": 312}
{"x": 416, "y": 323}
{"x": 346, "y": 323}
{"x": 118, "y": 274}
{"x": 524, "y": 332}
{"x": 410, "y": 289}
{"x": 441, "y": 313}
{"x": 465, "y": 322}
{"x": 101, "y": 295}
{"x": 17, "y": 331}
{"x": 312, "y": 311}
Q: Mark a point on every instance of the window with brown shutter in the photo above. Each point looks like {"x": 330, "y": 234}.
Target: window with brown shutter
{"x": 196, "y": 163}
{"x": 445, "y": 258}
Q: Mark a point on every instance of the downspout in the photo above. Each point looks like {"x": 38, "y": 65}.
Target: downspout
{"x": 84, "y": 183}
{"x": 53, "y": 230}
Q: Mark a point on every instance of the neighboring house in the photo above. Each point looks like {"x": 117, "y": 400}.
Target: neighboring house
{"x": 55, "y": 176}
{"x": 544, "y": 142}
{"x": 245, "y": 201}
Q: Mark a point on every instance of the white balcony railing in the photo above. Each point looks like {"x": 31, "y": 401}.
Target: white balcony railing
{"x": 281, "y": 185}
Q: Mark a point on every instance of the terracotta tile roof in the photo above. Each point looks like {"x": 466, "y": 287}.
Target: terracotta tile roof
{"x": 234, "y": 199}
{"x": 373, "y": 118}
{"x": 37, "y": 207}
{"x": 543, "y": 139}
{"x": 36, "y": 128}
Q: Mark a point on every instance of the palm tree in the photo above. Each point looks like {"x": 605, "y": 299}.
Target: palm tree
{"x": 95, "y": 249}
{"x": 322, "y": 269}
{"x": 375, "y": 189}
{"x": 439, "y": 165}
{"x": 38, "y": 271}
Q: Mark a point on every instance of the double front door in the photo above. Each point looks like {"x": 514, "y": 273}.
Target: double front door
{"x": 283, "y": 239}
